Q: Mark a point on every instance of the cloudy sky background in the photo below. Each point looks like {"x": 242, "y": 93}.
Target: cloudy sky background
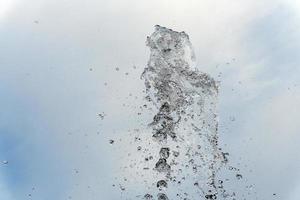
{"x": 56, "y": 56}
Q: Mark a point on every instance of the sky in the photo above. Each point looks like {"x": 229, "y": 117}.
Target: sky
{"x": 57, "y": 73}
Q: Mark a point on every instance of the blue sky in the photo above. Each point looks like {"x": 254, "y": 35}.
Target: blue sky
{"x": 56, "y": 56}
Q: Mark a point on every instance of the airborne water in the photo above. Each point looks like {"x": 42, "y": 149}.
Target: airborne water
{"x": 186, "y": 122}
{"x": 179, "y": 153}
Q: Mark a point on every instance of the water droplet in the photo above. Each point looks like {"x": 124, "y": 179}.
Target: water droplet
{"x": 164, "y": 153}
{"x": 239, "y": 176}
{"x": 162, "y": 184}
{"x": 111, "y": 141}
{"x": 162, "y": 196}
{"x": 162, "y": 165}
{"x": 148, "y": 197}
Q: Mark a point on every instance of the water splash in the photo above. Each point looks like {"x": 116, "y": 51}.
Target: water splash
{"x": 174, "y": 152}
{"x": 186, "y": 121}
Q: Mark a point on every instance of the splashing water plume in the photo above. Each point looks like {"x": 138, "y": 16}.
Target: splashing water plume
{"x": 186, "y": 120}
{"x": 177, "y": 155}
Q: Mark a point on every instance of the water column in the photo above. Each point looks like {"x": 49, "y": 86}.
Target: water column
{"x": 185, "y": 125}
